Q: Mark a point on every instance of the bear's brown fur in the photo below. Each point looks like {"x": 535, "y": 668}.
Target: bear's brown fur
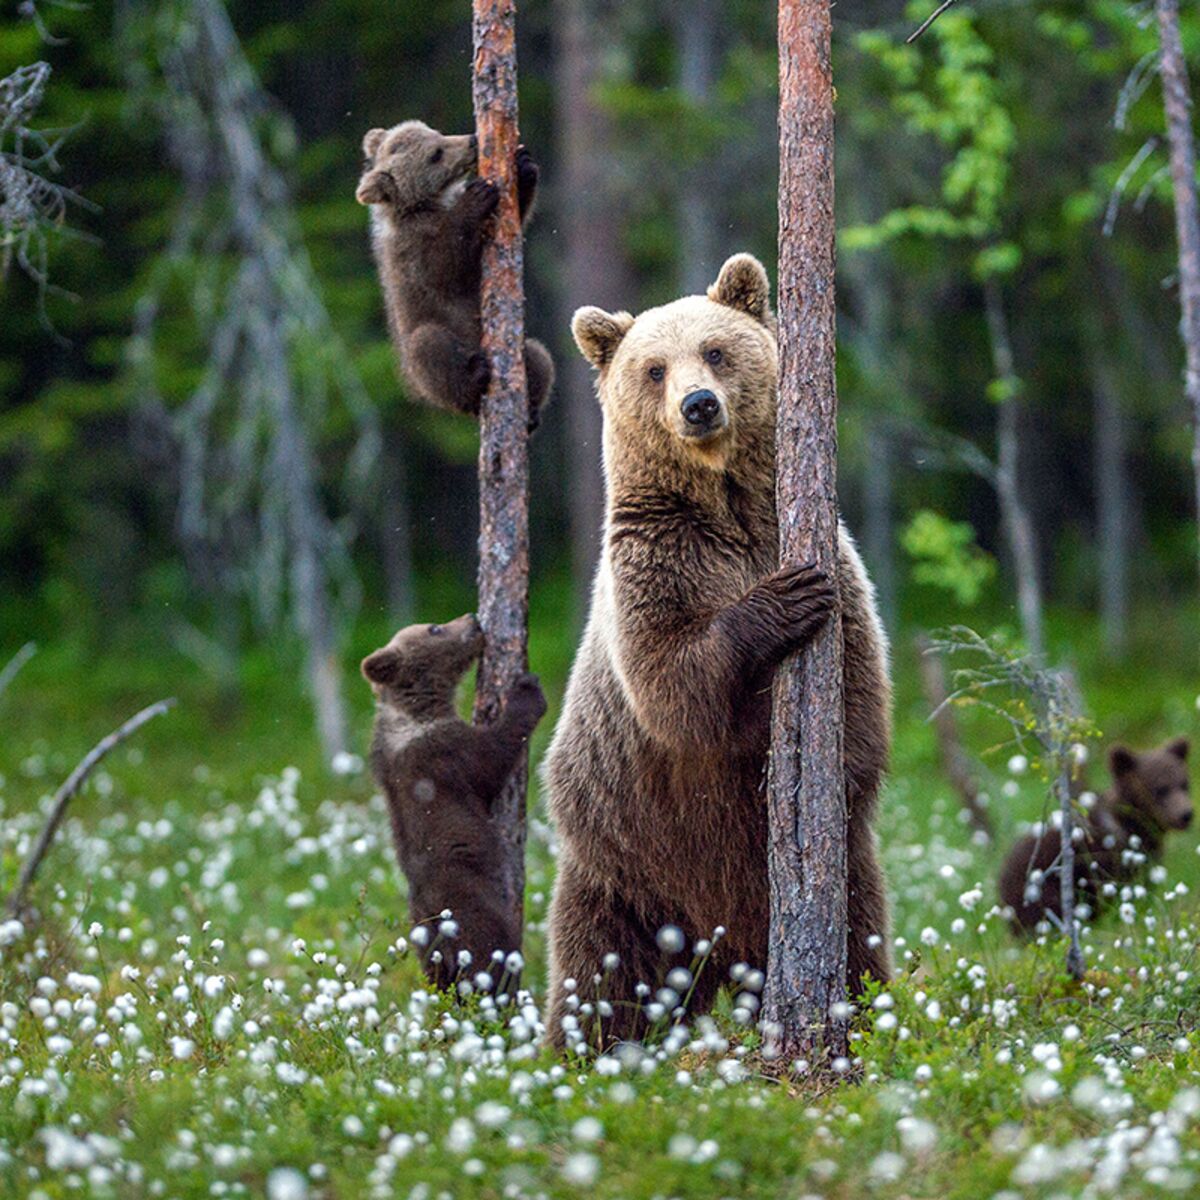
{"x": 1121, "y": 834}
{"x": 429, "y": 215}
{"x": 656, "y": 771}
{"x": 440, "y": 777}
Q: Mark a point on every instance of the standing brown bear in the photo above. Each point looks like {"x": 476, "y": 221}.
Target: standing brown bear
{"x": 429, "y": 215}
{"x": 1122, "y": 833}
{"x": 441, "y": 777}
{"x": 656, "y": 771}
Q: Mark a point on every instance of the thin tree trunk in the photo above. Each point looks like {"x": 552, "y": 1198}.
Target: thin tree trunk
{"x": 806, "y": 795}
{"x": 1177, "y": 102}
{"x": 1018, "y": 527}
{"x": 698, "y": 40}
{"x": 1112, "y": 506}
{"x": 503, "y": 433}
{"x": 595, "y": 264}
{"x": 955, "y": 761}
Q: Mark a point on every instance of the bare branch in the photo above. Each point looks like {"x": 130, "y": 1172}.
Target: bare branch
{"x": 68, "y": 790}
{"x": 1130, "y": 169}
{"x": 15, "y": 663}
{"x": 929, "y": 20}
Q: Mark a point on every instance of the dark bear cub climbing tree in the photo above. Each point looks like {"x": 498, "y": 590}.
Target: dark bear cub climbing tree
{"x": 806, "y": 962}
{"x": 503, "y": 429}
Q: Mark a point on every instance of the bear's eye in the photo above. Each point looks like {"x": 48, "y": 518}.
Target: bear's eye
{"x": 435, "y": 631}
{"x": 436, "y": 156}
{"x": 713, "y": 356}
{"x": 657, "y": 372}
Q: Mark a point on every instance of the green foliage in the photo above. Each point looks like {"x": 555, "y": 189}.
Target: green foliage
{"x": 945, "y": 556}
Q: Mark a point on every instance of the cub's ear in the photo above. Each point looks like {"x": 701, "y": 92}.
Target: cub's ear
{"x": 743, "y": 284}
{"x": 598, "y": 333}
{"x": 1121, "y": 760}
{"x": 372, "y": 141}
{"x": 382, "y": 667}
{"x": 1178, "y": 747}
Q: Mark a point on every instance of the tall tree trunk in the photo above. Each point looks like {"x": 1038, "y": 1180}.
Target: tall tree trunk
{"x": 1177, "y": 102}
{"x": 1018, "y": 528}
{"x": 698, "y": 39}
{"x": 503, "y": 427}
{"x": 1112, "y": 504}
{"x": 595, "y": 264}
{"x": 806, "y": 794}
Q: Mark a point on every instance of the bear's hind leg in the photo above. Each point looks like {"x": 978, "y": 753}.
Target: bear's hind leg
{"x": 589, "y": 923}
{"x": 539, "y": 377}
{"x": 868, "y": 951}
{"x": 443, "y": 371}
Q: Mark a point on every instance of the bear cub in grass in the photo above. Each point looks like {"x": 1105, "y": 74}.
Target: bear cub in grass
{"x": 429, "y": 216}
{"x": 656, "y": 772}
{"x": 1122, "y": 832}
{"x": 440, "y": 777}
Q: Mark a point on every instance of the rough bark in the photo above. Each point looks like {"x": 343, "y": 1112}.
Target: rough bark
{"x": 806, "y": 797}
{"x": 68, "y": 790}
{"x": 595, "y": 264}
{"x": 1112, "y": 505}
{"x": 698, "y": 40}
{"x": 1177, "y": 102}
{"x": 1018, "y": 528}
{"x": 503, "y": 436}
{"x": 955, "y": 761}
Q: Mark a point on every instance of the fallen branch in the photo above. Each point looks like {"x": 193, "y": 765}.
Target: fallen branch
{"x": 70, "y": 787}
{"x": 15, "y": 663}
{"x": 929, "y": 20}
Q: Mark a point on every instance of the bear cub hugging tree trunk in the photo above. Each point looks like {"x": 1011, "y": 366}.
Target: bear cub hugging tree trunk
{"x": 429, "y": 218}
{"x": 441, "y": 776}
{"x": 1122, "y": 833}
{"x": 657, "y": 768}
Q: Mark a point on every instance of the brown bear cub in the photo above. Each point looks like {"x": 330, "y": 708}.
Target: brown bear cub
{"x": 429, "y": 215}
{"x": 656, "y": 772}
{"x": 1122, "y": 833}
{"x": 441, "y": 777}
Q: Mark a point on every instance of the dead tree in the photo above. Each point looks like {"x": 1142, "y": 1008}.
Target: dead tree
{"x": 503, "y": 427}
{"x": 806, "y": 795}
{"x": 1177, "y": 102}
{"x": 1022, "y": 541}
{"x": 955, "y": 761}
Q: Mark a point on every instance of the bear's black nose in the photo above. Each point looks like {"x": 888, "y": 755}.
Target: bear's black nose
{"x": 1187, "y": 818}
{"x": 699, "y": 408}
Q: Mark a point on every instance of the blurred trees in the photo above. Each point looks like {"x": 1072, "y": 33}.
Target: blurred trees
{"x": 657, "y": 137}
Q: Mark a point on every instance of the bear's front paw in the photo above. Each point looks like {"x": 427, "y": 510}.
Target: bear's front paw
{"x": 481, "y": 197}
{"x": 526, "y": 697}
{"x": 800, "y": 599}
{"x": 527, "y": 170}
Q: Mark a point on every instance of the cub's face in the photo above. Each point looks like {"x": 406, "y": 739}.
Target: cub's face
{"x": 691, "y": 378}
{"x": 411, "y": 165}
{"x": 424, "y": 661}
{"x": 1155, "y": 782}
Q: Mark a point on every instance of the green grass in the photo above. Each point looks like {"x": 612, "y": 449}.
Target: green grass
{"x": 983, "y": 1073}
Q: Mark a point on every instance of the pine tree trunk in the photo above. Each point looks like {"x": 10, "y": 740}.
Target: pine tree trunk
{"x": 697, "y": 39}
{"x": 806, "y": 797}
{"x": 1018, "y": 528}
{"x": 1177, "y": 102}
{"x": 595, "y": 264}
{"x": 503, "y": 429}
{"x": 1112, "y": 506}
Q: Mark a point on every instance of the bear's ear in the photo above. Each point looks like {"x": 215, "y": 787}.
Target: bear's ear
{"x": 382, "y": 667}
{"x": 1178, "y": 747}
{"x": 1121, "y": 760}
{"x": 598, "y": 333}
{"x": 743, "y": 284}
{"x": 372, "y": 141}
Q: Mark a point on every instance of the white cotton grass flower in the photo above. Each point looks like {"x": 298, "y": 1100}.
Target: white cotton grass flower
{"x": 1018, "y": 764}
{"x": 670, "y": 939}
{"x": 286, "y": 1183}
{"x": 581, "y": 1169}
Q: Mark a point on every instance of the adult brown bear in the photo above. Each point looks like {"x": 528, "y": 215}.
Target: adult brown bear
{"x": 656, "y": 771}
